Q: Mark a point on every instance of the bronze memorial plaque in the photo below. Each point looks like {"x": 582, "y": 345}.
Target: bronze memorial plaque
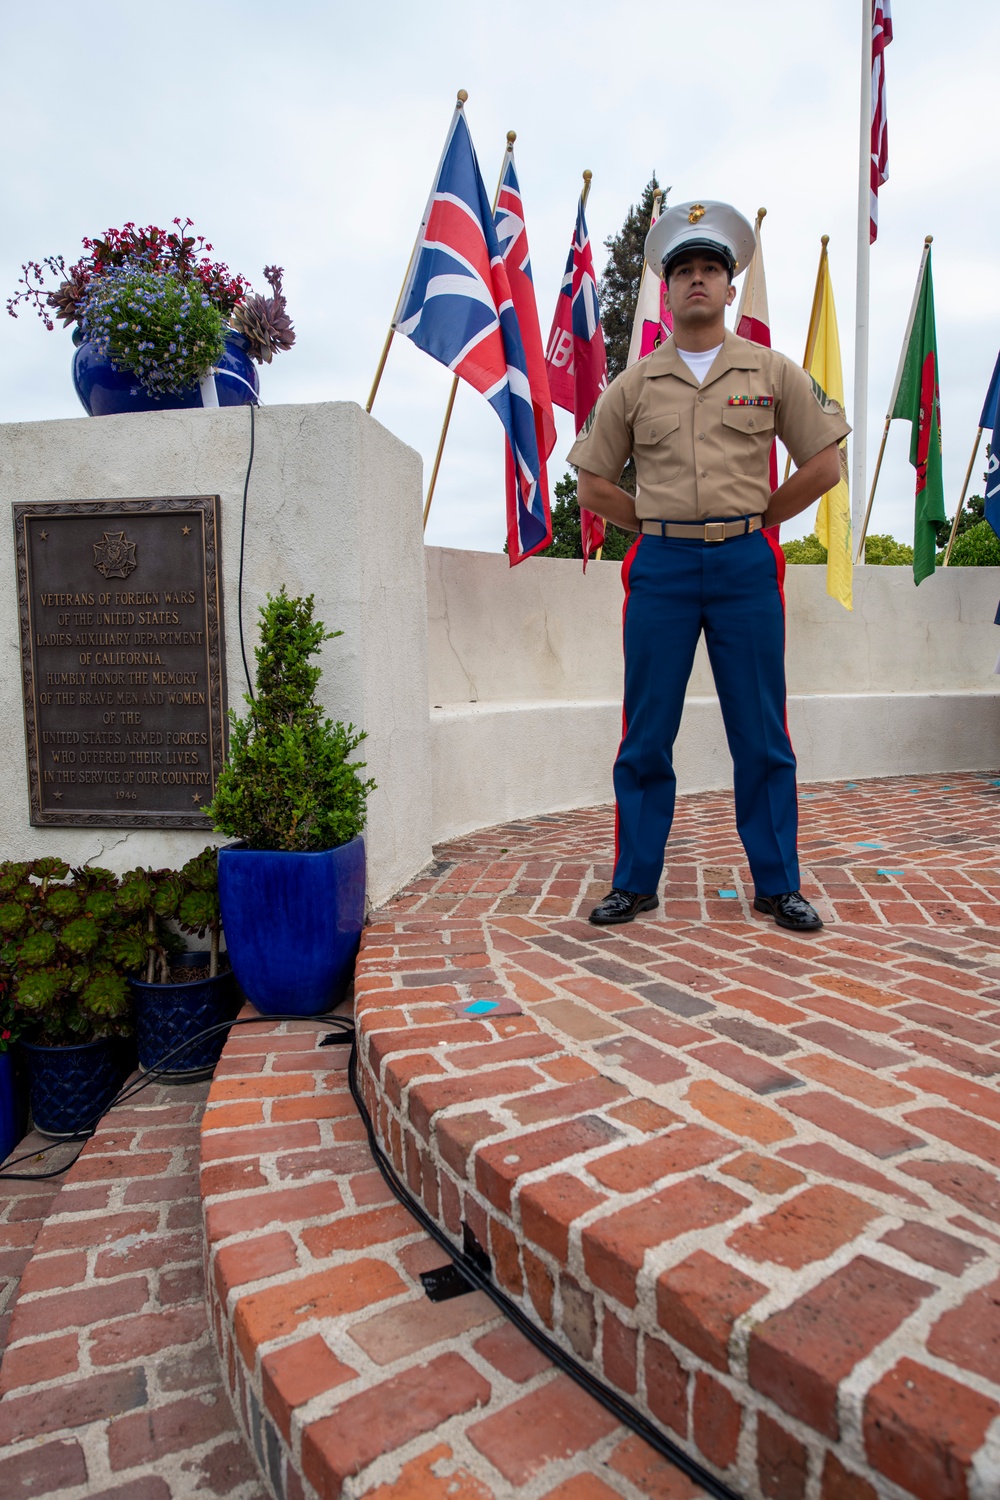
{"x": 121, "y": 656}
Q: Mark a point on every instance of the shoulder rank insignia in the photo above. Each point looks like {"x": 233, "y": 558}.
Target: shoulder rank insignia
{"x": 750, "y": 401}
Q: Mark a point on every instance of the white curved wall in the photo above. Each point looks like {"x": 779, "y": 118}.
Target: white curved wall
{"x": 525, "y": 676}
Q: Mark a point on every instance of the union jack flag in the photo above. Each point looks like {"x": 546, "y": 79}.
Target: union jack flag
{"x": 456, "y": 304}
{"x": 529, "y": 524}
{"x": 575, "y": 359}
{"x": 881, "y": 37}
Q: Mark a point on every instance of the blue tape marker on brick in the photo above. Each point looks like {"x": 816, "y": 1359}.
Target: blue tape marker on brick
{"x": 850, "y": 786}
{"x": 481, "y": 1007}
{"x": 730, "y": 895}
{"x": 861, "y": 844}
{"x": 890, "y": 872}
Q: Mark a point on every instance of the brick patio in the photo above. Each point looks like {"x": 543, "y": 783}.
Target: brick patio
{"x": 751, "y": 1178}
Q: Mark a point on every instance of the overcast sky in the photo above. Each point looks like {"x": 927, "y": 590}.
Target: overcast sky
{"x": 307, "y": 135}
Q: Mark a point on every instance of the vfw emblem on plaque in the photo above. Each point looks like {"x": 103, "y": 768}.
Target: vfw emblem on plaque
{"x": 115, "y": 556}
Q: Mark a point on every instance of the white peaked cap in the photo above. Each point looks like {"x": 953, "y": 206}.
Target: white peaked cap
{"x": 700, "y": 226}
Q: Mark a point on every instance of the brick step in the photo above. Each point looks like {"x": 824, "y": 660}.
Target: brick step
{"x": 347, "y": 1377}
{"x": 110, "y": 1387}
{"x": 749, "y": 1178}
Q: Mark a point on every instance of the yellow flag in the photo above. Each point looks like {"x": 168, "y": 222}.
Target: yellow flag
{"x": 822, "y": 364}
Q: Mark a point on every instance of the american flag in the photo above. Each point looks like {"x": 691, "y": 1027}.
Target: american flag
{"x": 881, "y": 37}
{"x": 456, "y": 304}
{"x": 529, "y": 524}
{"x": 575, "y": 359}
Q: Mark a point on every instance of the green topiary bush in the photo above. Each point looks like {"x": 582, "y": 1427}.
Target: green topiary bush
{"x": 289, "y": 783}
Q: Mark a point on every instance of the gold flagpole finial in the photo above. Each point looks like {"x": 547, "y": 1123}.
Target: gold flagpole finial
{"x": 824, "y": 240}
{"x": 928, "y": 239}
{"x": 761, "y": 214}
{"x": 511, "y": 138}
{"x": 462, "y": 96}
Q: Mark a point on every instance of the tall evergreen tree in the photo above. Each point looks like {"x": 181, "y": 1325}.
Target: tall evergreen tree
{"x": 618, "y": 288}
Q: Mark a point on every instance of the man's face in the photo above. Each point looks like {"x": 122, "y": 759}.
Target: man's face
{"x": 698, "y": 289}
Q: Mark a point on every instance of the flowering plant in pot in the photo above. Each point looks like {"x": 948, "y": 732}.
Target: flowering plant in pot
{"x": 154, "y": 317}
{"x": 178, "y": 994}
{"x": 292, "y": 891}
{"x": 64, "y": 949}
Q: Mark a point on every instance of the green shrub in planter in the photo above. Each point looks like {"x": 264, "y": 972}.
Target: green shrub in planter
{"x": 289, "y": 783}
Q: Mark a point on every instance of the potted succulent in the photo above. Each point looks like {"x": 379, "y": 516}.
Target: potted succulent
{"x": 292, "y": 891}
{"x": 63, "y": 951}
{"x": 156, "y": 322}
{"x": 178, "y": 993}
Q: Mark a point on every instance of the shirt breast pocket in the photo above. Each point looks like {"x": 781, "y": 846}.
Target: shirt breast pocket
{"x": 656, "y": 445}
{"x": 747, "y": 435}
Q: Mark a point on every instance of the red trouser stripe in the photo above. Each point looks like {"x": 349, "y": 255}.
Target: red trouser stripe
{"x": 626, "y": 571}
{"x": 770, "y": 535}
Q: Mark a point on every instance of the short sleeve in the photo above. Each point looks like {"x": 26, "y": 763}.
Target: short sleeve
{"x": 807, "y": 420}
{"x": 605, "y": 444}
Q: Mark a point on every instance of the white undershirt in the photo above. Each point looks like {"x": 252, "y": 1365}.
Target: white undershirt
{"x": 699, "y": 364}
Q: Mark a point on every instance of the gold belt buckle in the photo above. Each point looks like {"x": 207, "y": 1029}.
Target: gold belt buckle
{"x": 715, "y": 531}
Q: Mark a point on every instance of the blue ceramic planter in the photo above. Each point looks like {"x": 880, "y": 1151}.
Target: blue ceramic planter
{"x": 106, "y": 391}
{"x": 70, "y": 1087}
{"x": 293, "y": 924}
{"x": 9, "y": 1135}
{"x": 167, "y": 1015}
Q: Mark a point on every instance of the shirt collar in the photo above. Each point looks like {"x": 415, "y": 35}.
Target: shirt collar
{"x": 735, "y": 354}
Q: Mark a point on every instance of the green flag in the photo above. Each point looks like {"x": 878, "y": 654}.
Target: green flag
{"x": 918, "y": 402}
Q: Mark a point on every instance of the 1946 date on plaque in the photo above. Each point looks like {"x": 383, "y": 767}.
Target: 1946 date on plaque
{"x": 121, "y": 658}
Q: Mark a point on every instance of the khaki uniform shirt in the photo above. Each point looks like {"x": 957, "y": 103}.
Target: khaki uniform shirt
{"x": 701, "y": 451}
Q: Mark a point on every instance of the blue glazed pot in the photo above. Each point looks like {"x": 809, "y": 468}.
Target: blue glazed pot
{"x": 293, "y": 924}
{"x": 9, "y": 1134}
{"x": 166, "y": 1015}
{"x": 70, "y": 1087}
{"x": 106, "y": 391}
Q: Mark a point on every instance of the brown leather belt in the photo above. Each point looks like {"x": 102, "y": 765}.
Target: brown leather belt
{"x": 703, "y": 531}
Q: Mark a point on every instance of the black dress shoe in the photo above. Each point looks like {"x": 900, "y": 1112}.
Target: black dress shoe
{"x": 621, "y": 906}
{"x": 790, "y": 910}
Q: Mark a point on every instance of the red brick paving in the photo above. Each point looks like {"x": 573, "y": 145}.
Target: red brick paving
{"x": 751, "y": 1178}
{"x": 108, "y": 1367}
{"x": 828, "y": 1143}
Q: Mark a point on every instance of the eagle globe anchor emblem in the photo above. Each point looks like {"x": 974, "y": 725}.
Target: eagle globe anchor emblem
{"x": 115, "y": 555}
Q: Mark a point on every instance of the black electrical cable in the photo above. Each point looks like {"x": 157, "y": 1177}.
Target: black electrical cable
{"x": 243, "y": 534}
{"x": 153, "y": 1075}
{"x": 617, "y": 1405}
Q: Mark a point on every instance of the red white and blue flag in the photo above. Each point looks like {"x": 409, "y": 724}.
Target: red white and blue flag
{"x": 456, "y": 304}
{"x": 881, "y": 37}
{"x": 529, "y": 523}
{"x": 575, "y": 359}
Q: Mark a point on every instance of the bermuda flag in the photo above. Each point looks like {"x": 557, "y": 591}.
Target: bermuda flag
{"x": 529, "y": 525}
{"x": 456, "y": 303}
{"x": 653, "y": 322}
{"x": 575, "y": 360}
{"x": 881, "y": 37}
{"x": 753, "y": 321}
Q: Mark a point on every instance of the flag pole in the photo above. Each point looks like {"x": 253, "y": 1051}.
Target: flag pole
{"x": 460, "y": 99}
{"x": 511, "y": 138}
{"x": 861, "y": 310}
{"x": 928, "y": 241}
{"x": 587, "y": 179}
{"x": 965, "y": 486}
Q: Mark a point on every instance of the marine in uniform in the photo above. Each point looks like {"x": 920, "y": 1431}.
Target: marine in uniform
{"x": 699, "y": 416}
